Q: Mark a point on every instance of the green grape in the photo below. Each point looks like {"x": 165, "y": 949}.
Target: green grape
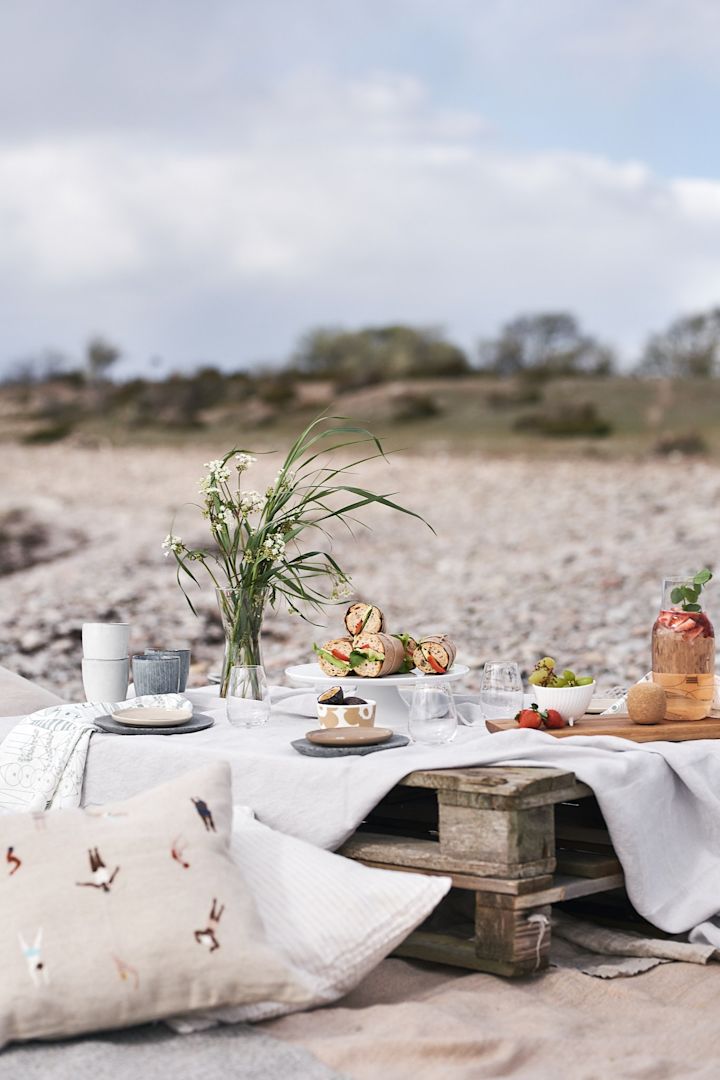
{"x": 538, "y": 677}
{"x": 585, "y": 680}
{"x": 568, "y": 676}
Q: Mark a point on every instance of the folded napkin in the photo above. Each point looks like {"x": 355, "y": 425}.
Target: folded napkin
{"x": 619, "y": 707}
{"x": 42, "y": 760}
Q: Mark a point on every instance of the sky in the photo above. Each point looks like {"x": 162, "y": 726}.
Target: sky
{"x": 202, "y": 181}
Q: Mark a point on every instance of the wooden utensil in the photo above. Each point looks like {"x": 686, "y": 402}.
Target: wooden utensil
{"x": 623, "y": 728}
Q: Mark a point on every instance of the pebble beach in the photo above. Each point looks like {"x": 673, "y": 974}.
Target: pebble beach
{"x": 563, "y": 557}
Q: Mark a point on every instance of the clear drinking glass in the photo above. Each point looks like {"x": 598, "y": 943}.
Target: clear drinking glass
{"x": 433, "y": 717}
{"x": 248, "y": 697}
{"x": 501, "y": 690}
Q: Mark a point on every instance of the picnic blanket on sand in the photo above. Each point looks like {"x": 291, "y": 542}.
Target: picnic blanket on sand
{"x": 661, "y": 801}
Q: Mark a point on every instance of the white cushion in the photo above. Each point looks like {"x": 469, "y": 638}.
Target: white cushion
{"x": 331, "y": 918}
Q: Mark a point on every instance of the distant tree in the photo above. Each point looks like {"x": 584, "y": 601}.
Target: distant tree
{"x": 375, "y": 354}
{"x": 48, "y": 365}
{"x": 100, "y": 356}
{"x": 549, "y": 343}
{"x": 689, "y": 348}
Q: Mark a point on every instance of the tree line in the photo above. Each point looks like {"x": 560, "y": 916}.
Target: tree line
{"x": 534, "y": 346}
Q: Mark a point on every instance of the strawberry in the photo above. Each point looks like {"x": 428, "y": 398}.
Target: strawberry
{"x": 529, "y": 718}
{"x": 553, "y": 719}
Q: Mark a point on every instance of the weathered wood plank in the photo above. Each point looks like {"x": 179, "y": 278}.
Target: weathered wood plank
{"x": 456, "y": 952}
{"x": 375, "y": 854}
{"x": 502, "y": 783}
{"x": 507, "y": 934}
{"x": 427, "y": 855}
{"x": 563, "y": 887}
{"x": 587, "y": 863}
{"x": 501, "y": 837}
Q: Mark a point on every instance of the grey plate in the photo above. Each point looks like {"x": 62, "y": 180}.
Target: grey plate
{"x": 197, "y": 722}
{"x": 303, "y": 746}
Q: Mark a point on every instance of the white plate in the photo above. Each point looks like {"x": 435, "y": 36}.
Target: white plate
{"x": 314, "y": 675}
{"x": 152, "y": 717}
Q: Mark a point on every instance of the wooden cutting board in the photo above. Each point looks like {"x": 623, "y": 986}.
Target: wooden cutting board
{"x": 623, "y": 728}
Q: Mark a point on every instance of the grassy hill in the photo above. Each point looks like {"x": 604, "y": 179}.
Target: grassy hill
{"x": 600, "y": 416}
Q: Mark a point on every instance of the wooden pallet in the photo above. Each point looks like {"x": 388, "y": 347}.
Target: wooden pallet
{"x": 513, "y": 840}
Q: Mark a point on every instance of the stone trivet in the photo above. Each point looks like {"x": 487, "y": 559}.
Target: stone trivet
{"x": 197, "y": 722}
{"x": 303, "y": 746}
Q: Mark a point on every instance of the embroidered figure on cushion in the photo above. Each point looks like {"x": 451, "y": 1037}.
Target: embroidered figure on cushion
{"x": 177, "y": 851}
{"x": 13, "y": 861}
{"x": 126, "y": 971}
{"x": 101, "y": 876}
{"x": 36, "y": 968}
{"x": 208, "y": 936}
{"x": 205, "y": 813}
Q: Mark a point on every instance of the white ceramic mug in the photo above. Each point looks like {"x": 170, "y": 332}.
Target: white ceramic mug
{"x": 106, "y": 680}
{"x": 105, "y": 641}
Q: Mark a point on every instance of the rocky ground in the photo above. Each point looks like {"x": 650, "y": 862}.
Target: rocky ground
{"x": 563, "y": 557}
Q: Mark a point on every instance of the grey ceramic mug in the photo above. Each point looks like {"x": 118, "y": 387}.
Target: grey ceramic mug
{"x": 184, "y": 655}
{"x": 156, "y": 674}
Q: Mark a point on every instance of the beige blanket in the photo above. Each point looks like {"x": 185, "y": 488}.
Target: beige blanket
{"x": 410, "y": 1022}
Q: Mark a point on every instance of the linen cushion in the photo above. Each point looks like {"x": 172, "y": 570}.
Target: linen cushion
{"x": 332, "y": 918}
{"x": 129, "y": 912}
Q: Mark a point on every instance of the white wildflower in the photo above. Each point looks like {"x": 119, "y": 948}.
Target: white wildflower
{"x": 243, "y": 462}
{"x": 172, "y": 544}
{"x": 217, "y": 473}
{"x": 250, "y": 502}
{"x": 273, "y": 547}
{"x": 342, "y": 589}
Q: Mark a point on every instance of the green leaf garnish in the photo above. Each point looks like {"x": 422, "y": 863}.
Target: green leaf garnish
{"x": 688, "y": 594}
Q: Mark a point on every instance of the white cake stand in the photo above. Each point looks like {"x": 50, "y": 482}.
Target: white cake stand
{"x": 391, "y": 692}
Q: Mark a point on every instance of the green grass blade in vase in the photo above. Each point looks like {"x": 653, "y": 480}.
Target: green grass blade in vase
{"x": 256, "y": 557}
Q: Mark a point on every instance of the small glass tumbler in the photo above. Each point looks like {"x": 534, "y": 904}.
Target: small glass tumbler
{"x": 433, "y": 716}
{"x": 501, "y": 690}
{"x": 248, "y": 698}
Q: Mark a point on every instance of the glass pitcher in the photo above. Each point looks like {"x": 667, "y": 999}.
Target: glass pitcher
{"x": 683, "y": 657}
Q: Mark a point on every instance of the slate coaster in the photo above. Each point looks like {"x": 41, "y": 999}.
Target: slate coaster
{"x": 303, "y": 746}
{"x": 197, "y": 722}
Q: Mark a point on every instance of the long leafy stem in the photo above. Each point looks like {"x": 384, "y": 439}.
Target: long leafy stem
{"x": 257, "y": 536}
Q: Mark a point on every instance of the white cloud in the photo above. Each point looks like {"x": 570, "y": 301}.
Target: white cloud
{"x": 338, "y": 201}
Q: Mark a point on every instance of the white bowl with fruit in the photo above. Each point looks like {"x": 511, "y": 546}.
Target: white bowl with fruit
{"x": 564, "y": 691}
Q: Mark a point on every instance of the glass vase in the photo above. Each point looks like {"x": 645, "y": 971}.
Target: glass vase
{"x": 683, "y": 657}
{"x": 242, "y": 616}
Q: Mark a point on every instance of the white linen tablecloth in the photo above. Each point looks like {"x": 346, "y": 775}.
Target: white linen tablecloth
{"x": 661, "y": 801}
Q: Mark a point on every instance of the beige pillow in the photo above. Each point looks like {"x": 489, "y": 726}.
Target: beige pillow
{"x": 133, "y": 911}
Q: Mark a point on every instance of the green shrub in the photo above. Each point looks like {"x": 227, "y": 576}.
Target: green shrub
{"x": 413, "y": 406}
{"x": 691, "y": 444}
{"x": 568, "y": 421}
{"x": 49, "y": 434}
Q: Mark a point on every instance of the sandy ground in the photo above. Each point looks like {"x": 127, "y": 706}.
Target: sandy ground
{"x": 560, "y": 557}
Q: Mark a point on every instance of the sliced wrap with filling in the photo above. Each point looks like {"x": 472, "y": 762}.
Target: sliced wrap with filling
{"x": 359, "y": 617}
{"x": 435, "y": 654}
{"x": 334, "y": 656}
{"x": 374, "y": 655}
{"x": 409, "y": 645}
